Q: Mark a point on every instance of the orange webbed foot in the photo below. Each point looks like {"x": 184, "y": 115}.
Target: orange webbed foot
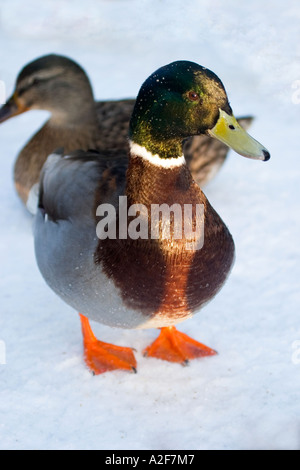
{"x": 102, "y": 357}
{"x": 174, "y": 346}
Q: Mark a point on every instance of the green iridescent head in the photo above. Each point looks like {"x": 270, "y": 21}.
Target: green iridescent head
{"x": 184, "y": 99}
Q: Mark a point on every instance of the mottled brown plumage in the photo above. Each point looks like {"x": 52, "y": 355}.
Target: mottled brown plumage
{"x": 108, "y": 130}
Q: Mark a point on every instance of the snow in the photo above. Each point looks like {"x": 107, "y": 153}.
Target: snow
{"x": 247, "y": 397}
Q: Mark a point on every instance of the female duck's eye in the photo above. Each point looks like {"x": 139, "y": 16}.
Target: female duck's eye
{"x": 193, "y": 96}
{"x": 36, "y": 81}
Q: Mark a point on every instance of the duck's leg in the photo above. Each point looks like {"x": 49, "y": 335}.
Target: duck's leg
{"x": 174, "y": 346}
{"x": 101, "y": 357}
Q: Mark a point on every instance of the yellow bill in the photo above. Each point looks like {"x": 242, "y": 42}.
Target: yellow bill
{"x": 228, "y": 131}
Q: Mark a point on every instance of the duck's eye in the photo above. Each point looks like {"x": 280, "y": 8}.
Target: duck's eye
{"x": 231, "y": 127}
{"x": 193, "y": 96}
{"x": 36, "y": 81}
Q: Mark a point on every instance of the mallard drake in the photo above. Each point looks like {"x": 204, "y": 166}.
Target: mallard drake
{"x": 100, "y": 247}
{"x": 59, "y": 85}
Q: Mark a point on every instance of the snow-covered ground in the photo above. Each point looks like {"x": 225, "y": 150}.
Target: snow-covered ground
{"x": 246, "y": 397}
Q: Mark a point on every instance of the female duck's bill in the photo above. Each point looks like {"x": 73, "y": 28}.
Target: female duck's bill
{"x": 12, "y": 108}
